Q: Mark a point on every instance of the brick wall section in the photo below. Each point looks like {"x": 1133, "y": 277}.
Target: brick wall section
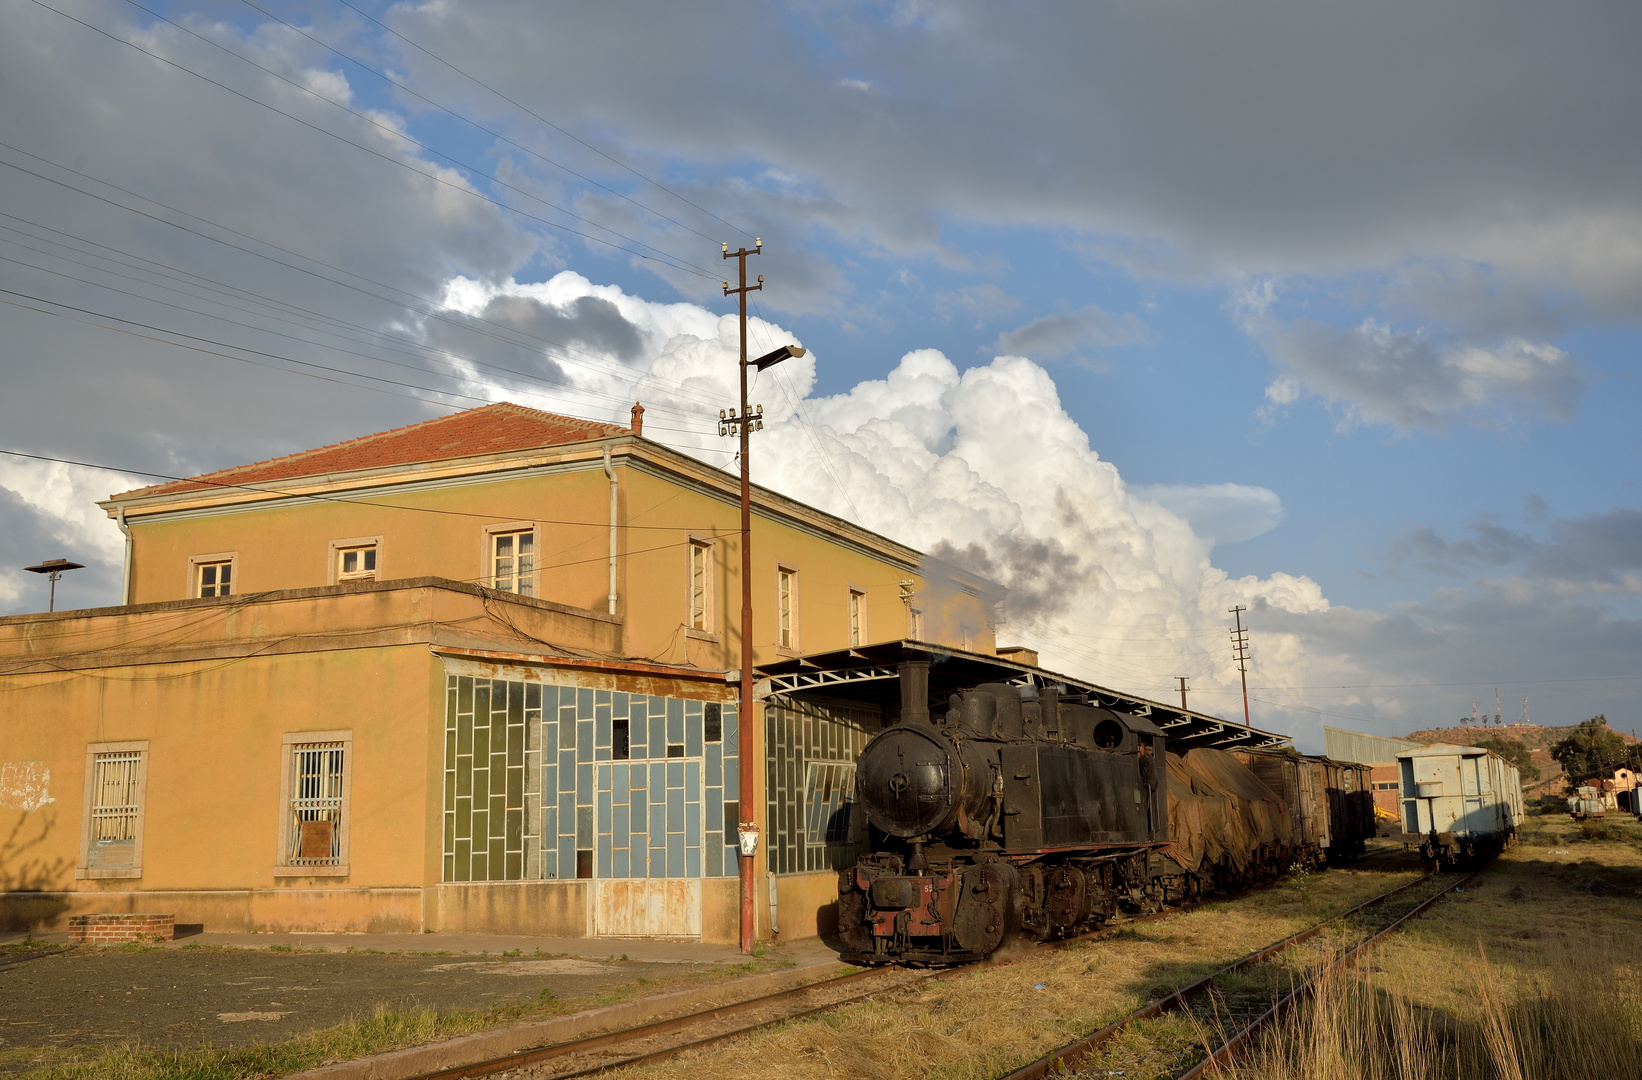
{"x": 120, "y": 929}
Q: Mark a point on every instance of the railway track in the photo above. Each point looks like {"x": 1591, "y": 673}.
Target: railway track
{"x": 659, "y": 1040}
{"x": 656, "y": 1041}
{"x": 1247, "y": 994}
{"x": 650, "y": 1043}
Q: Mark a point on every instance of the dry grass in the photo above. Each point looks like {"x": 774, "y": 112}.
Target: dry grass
{"x": 1536, "y": 974}
{"x": 1581, "y": 1019}
{"x": 991, "y": 1018}
{"x": 1513, "y": 978}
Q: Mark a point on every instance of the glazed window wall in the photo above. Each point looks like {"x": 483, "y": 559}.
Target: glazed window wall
{"x": 549, "y": 781}
{"x": 813, "y": 822}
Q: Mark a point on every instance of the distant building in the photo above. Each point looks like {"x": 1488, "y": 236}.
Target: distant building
{"x": 1376, "y": 750}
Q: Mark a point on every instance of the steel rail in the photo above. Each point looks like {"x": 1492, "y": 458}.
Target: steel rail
{"x": 1069, "y": 1055}
{"x": 537, "y": 1055}
{"x": 1229, "y": 1048}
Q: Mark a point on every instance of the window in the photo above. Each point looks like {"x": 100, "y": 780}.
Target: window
{"x": 858, "y": 617}
{"x": 713, "y": 722}
{"x": 701, "y": 585}
{"x": 786, "y": 608}
{"x": 915, "y": 624}
{"x": 116, "y": 785}
{"x": 829, "y": 802}
{"x": 315, "y": 794}
{"x": 513, "y": 562}
{"x": 356, "y": 562}
{"x": 211, "y": 575}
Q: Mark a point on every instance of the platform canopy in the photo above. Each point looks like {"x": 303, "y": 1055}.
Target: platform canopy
{"x": 867, "y": 674}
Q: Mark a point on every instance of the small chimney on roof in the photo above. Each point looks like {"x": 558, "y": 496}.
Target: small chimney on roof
{"x": 638, "y": 419}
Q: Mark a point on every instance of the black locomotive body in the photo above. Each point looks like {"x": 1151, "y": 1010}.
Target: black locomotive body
{"x": 1020, "y": 810}
{"x": 1014, "y": 809}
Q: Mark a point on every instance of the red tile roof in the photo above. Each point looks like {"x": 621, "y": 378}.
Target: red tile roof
{"x": 490, "y": 429}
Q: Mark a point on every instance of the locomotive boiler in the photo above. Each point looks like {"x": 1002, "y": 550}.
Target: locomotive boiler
{"x": 1013, "y": 810}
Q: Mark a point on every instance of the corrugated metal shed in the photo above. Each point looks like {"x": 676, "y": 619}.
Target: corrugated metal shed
{"x": 1343, "y": 745}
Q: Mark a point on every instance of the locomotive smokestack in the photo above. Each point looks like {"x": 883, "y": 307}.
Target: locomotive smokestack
{"x": 914, "y": 691}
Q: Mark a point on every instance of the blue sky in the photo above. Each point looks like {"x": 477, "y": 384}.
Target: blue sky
{"x": 1377, "y": 267}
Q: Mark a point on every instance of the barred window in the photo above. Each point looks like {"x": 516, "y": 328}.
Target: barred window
{"x": 513, "y": 562}
{"x": 111, "y": 828}
{"x": 114, "y": 797}
{"x": 316, "y": 804}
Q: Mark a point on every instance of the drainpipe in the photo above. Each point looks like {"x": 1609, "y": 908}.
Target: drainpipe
{"x": 611, "y": 473}
{"x": 125, "y": 573}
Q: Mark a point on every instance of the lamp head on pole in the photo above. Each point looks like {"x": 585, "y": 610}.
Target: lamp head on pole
{"x": 770, "y": 359}
{"x": 54, "y": 567}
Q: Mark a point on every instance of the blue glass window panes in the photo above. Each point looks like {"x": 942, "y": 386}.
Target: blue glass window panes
{"x": 658, "y": 729}
{"x": 535, "y": 783}
{"x": 675, "y": 720}
{"x": 638, "y": 724}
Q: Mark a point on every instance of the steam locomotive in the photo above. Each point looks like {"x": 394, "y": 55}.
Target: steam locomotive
{"x": 1025, "y": 810}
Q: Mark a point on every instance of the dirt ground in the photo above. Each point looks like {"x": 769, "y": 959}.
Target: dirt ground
{"x": 60, "y": 996}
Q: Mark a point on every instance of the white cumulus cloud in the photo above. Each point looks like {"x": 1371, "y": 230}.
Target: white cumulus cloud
{"x": 1106, "y": 581}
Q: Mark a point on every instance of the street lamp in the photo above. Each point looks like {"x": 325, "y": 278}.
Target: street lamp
{"x": 54, "y": 569}
{"x": 744, "y": 424}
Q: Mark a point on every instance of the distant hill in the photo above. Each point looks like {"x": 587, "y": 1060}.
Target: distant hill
{"x": 1538, "y": 738}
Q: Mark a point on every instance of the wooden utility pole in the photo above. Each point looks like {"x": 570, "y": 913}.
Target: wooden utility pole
{"x": 747, "y": 771}
{"x": 1181, "y": 679}
{"x": 743, "y": 424}
{"x": 1240, "y": 653}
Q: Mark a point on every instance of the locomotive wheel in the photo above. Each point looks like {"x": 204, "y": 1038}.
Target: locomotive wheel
{"x": 984, "y": 907}
{"x": 1066, "y": 899}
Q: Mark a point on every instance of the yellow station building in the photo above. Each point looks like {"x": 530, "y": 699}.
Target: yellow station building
{"x": 476, "y": 674}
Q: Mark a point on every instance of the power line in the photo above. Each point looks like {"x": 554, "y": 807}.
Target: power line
{"x": 423, "y": 306}
{"x": 306, "y": 341}
{"x": 537, "y": 116}
{"x": 1479, "y": 682}
{"x": 668, "y": 259}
